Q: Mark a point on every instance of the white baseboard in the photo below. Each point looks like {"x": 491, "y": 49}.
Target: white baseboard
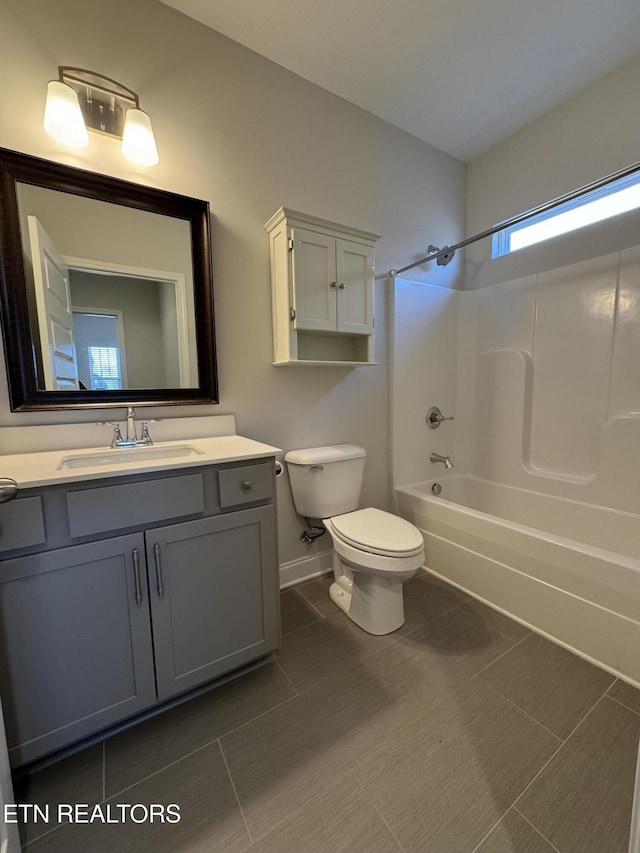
{"x": 305, "y": 568}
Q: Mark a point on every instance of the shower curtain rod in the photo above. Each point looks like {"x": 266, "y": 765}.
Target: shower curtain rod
{"x": 447, "y": 252}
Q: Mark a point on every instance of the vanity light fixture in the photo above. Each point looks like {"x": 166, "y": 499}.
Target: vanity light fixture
{"x": 81, "y": 100}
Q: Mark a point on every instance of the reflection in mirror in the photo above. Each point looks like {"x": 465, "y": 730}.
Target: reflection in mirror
{"x": 101, "y": 318}
{"x": 105, "y": 289}
{"x": 131, "y": 332}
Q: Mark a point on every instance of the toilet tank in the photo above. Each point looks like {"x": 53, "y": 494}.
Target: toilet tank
{"x": 326, "y": 481}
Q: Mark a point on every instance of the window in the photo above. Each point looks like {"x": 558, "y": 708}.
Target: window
{"x": 617, "y": 197}
{"x": 104, "y": 365}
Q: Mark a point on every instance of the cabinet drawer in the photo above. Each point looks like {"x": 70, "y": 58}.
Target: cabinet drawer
{"x": 21, "y": 524}
{"x": 245, "y": 485}
{"x": 133, "y": 504}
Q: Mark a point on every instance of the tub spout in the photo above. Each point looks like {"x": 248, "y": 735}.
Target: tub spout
{"x": 438, "y": 457}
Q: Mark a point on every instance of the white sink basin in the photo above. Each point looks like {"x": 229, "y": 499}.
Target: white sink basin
{"x": 118, "y": 456}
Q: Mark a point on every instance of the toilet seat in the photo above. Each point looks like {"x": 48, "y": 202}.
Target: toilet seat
{"x": 377, "y": 532}
{"x": 398, "y": 567}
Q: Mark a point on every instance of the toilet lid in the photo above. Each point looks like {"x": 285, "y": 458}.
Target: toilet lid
{"x": 378, "y": 532}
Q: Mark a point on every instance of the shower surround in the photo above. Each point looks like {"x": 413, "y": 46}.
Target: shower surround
{"x": 543, "y": 375}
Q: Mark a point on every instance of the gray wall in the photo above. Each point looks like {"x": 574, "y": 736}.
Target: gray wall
{"x": 91, "y": 229}
{"x": 249, "y": 136}
{"x": 590, "y": 135}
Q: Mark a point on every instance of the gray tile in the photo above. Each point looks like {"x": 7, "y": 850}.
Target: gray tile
{"x": 295, "y": 611}
{"x": 443, "y": 785}
{"x": 210, "y": 819}
{"x": 77, "y": 779}
{"x": 340, "y": 820}
{"x": 438, "y": 658}
{"x": 582, "y": 800}
{"x": 316, "y": 591}
{"x": 628, "y": 695}
{"x": 411, "y": 677}
{"x": 325, "y": 648}
{"x": 281, "y": 760}
{"x": 146, "y": 748}
{"x": 425, "y": 598}
{"x": 553, "y": 685}
{"x": 495, "y": 619}
{"x": 515, "y": 835}
{"x": 428, "y": 577}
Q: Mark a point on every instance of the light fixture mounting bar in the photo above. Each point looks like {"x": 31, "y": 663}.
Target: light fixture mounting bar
{"x": 103, "y": 101}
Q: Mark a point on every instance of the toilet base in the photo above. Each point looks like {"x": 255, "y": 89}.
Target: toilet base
{"x": 372, "y": 601}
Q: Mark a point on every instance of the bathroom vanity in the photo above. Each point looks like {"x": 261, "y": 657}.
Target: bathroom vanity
{"x": 125, "y": 584}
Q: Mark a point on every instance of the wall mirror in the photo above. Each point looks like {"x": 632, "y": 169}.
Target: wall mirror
{"x": 105, "y": 290}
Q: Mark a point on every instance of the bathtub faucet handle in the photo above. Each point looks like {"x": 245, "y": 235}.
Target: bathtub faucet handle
{"x": 435, "y": 417}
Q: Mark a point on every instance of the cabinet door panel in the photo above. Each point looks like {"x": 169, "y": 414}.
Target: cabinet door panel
{"x": 355, "y": 299}
{"x": 213, "y": 596}
{"x": 75, "y": 644}
{"x": 314, "y": 272}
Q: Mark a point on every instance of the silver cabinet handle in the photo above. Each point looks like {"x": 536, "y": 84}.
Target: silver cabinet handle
{"x": 156, "y": 554}
{"x": 342, "y": 286}
{"x": 8, "y": 489}
{"x": 247, "y": 485}
{"x": 136, "y": 575}
{"x": 334, "y": 284}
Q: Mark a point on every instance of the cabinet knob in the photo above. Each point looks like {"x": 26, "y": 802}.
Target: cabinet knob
{"x": 247, "y": 485}
{"x": 334, "y": 284}
{"x": 342, "y": 286}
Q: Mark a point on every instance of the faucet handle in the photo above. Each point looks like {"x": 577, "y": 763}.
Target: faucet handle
{"x": 117, "y": 433}
{"x": 435, "y": 417}
{"x": 144, "y": 433}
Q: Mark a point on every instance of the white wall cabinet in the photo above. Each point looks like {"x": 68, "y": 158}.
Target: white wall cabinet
{"x": 322, "y": 285}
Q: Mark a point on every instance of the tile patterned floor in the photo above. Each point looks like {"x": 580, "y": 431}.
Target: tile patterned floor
{"x": 460, "y": 732}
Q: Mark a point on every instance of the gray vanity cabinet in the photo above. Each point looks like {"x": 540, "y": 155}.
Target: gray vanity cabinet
{"x": 211, "y": 584}
{"x": 75, "y": 647}
{"x": 120, "y": 594}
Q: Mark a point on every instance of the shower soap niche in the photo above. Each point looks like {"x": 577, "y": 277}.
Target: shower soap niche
{"x": 322, "y": 291}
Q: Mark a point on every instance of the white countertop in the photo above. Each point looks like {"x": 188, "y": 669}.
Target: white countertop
{"x": 31, "y": 470}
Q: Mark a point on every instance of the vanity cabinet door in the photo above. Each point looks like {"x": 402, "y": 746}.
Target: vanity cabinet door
{"x": 214, "y": 596}
{"x": 75, "y": 643}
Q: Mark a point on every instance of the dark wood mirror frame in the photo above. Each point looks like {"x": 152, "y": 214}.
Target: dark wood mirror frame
{"x": 24, "y": 393}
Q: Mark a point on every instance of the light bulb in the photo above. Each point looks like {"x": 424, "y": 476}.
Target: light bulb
{"x": 138, "y": 142}
{"x": 62, "y": 115}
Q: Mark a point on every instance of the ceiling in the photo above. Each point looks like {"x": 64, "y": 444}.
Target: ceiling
{"x": 459, "y": 74}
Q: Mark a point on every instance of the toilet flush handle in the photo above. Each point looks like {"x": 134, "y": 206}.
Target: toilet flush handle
{"x": 317, "y": 467}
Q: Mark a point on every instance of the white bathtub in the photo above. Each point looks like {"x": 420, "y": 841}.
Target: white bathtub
{"x": 569, "y": 570}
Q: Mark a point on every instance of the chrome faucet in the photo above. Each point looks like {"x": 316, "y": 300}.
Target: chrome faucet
{"x": 132, "y": 435}
{"x": 438, "y": 457}
{"x": 131, "y": 439}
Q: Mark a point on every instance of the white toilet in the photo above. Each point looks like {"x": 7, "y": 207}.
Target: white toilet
{"x": 373, "y": 551}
